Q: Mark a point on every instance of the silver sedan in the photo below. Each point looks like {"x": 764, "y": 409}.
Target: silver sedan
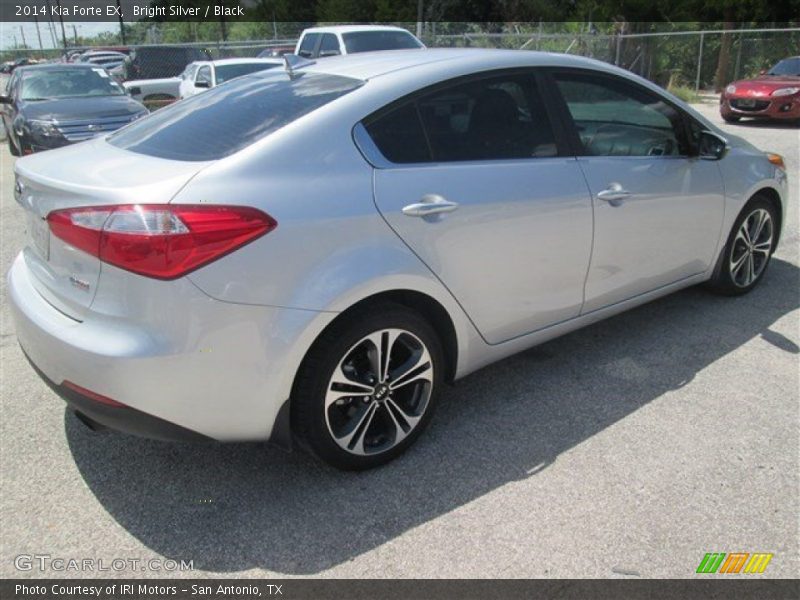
{"x": 310, "y": 253}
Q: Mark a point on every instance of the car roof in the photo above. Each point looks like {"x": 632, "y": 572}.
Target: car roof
{"x": 241, "y": 61}
{"x": 353, "y": 28}
{"x": 55, "y": 66}
{"x": 369, "y": 65}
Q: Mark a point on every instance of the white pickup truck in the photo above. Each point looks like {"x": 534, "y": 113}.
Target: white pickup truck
{"x": 319, "y": 42}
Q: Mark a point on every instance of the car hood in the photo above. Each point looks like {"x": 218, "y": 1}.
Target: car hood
{"x": 764, "y": 85}
{"x": 72, "y": 109}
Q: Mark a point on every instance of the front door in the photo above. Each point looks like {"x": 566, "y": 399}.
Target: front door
{"x": 658, "y": 210}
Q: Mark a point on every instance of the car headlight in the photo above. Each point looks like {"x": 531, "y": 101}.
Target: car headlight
{"x": 43, "y": 128}
{"x": 786, "y": 91}
{"x": 731, "y": 89}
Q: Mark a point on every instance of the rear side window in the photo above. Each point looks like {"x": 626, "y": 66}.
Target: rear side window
{"x": 490, "y": 118}
{"x": 371, "y": 41}
{"x": 329, "y": 45}
{"x": 228, "y": 118}
{"x": 399, "y": 135}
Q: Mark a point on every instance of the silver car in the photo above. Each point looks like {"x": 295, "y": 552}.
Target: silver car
{"x": 311, "y": 253}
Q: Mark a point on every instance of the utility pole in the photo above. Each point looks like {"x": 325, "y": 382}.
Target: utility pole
{"x": 38, "y": 33}
{"x": 121, "y": 26}
{"x": 75, "y": 33}
{"x": 420, "y": 15}
{"x": 50, "y": 24}
{"x": 61, "y": 19}
{"x": 22, "y": 33}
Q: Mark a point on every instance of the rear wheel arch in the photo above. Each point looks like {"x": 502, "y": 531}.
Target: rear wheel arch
{"x": 426, "y": 306}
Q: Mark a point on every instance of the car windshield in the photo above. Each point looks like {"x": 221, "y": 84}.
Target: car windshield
{"x": 371, "y": 41}
{"x": 788, "y": 66}
{"x": 47, "y": 84}
{"x": 227, "y": 72}
{"x": 228, "y": 118}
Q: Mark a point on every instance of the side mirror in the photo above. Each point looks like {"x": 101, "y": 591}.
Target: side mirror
{"x": 5, "y": 99}
{"x": 712, "y": 146}
{"x": 135, "y": 90}
{"x": 202, "y": 84}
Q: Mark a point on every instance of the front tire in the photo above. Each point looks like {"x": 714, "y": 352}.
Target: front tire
{"x": 368, "y": 387}
{"x": 748, "y": 250}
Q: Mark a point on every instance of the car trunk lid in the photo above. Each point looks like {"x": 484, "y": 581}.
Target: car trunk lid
{"x": 91, "y": 174}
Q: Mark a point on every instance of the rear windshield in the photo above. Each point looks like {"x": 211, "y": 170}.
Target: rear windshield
{"x": 372, "y": 41}
{"x": 226, "y": 119}
{"x": 227, "y": 72}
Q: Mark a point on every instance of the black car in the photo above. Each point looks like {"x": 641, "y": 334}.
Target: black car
{"x": 158, "y": 62}
{"x": 53, "y": 105}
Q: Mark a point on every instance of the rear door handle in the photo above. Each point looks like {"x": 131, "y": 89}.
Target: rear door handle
{"x": 615, "y": 194}
{"x": 429, "y": 204}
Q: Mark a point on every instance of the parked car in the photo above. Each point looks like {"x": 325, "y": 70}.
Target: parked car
{"x": 203, "y": 75}
{"x": 774, "y": 94}
{"x": 319, "y": 42}
{"x": 107, "y": 59}
{"x": 152, "y": 74}
{"x": 160, "y": 62}
{"x": 275, "y": 51}
{"x": 48, "y": 106}
{"x": 339, "y": 239}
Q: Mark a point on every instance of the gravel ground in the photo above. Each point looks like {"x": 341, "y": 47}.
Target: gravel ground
{"x": 627, "y": 449}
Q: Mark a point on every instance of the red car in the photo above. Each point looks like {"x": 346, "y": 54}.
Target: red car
{"x": 774, "y": 94}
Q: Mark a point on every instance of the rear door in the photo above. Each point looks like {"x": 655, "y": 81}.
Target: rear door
{"x": 658, "y": 209}
{"x": 473, "y": 178}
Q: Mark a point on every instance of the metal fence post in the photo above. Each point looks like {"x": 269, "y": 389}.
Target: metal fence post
{"x": 699, "y": 63}
{"x": 619, "y": 47}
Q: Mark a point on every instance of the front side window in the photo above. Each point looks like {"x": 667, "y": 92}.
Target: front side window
{"x": 616, "y": 118}
{"x": 490, "y": 118}
{"x": 228, "y": 118}
{"x": 204, "y": 75}
{"x": 47, "y": 84}
{"x": 308, "y": 45}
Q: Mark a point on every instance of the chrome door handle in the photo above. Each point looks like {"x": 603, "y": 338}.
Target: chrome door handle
{"x": 429, "y": 204}
{"x": 614, "y": 194}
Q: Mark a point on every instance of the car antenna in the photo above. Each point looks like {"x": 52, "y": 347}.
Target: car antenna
{"x": 292, "y": 62}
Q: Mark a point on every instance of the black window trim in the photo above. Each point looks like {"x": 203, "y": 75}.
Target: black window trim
{"x": 571, "y": 132}
{"x": 375, "y": 157}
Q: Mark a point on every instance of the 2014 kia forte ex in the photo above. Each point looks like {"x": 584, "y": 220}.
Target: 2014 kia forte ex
{"x": 311, "y": 252}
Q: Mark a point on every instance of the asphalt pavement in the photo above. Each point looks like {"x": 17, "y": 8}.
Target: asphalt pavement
{"x": 628, "y": 449}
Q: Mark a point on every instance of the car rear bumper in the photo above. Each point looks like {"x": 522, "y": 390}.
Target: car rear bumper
{"x": 768, "y": 107}
{"x": 207, "y": 369}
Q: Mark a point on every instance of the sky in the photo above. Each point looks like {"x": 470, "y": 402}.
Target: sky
{"x": 9, "y": 30}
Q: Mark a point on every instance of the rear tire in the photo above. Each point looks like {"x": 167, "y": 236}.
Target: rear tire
{"x": 368, "y": 387}
{"x": 747, "y": 253}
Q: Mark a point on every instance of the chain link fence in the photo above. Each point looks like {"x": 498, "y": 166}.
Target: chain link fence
{"x": 682, "y": 60}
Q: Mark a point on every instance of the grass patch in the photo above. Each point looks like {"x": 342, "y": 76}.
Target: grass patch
{"x": 685, "y": 93}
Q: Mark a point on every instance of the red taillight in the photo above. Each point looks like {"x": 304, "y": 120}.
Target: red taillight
{"x": 158, "y": 240}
